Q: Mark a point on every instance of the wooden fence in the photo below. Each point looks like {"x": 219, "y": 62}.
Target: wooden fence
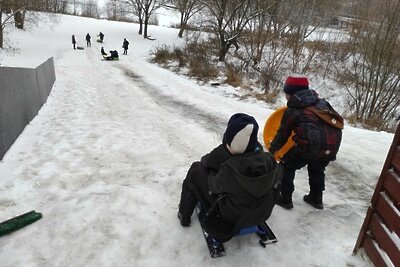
{"x": 380, "y": 232}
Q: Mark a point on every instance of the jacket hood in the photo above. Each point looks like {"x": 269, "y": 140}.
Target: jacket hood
{"x": 255, "y": 172}
{"x": 302, "y": 99}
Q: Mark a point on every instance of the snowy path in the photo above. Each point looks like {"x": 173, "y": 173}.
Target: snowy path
{"x": 105, "y": 158}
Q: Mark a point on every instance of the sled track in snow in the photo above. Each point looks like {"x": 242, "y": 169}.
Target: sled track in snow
{"x": 207, "y": 120}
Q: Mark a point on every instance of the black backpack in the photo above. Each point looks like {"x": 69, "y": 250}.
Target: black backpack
{"x": 333, "y": 125}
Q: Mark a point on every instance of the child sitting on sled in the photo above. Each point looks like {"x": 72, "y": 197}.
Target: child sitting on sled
{"x": 236, "y": 184}
{"x": 113, "y": 55}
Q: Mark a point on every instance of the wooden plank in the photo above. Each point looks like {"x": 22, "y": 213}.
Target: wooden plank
{"x": 364, "y": 228}
{"x": 384, "y": 240}
{"x": 392, "y": 186}
{"x": 373, "y": 252}
{"x": 388, "y": 213}
{"x": 396, "y": 158}
{"x": 394, "y": 147}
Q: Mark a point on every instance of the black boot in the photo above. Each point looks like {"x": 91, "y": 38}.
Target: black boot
{"x": 314, "y": 199}
{"x": 185, "y": 221}
{"x": 285, "y": 201}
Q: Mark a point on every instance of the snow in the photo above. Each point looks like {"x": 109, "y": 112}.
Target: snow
{"x": 105, "y": 158}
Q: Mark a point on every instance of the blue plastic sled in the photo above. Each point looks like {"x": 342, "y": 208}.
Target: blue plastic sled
{"x": 263, "y": 231}
{"x": 216, "y": 248}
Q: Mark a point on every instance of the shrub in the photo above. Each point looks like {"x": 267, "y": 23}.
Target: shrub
{"x": 180, "y": 56}
{"x": 234, "y": 76}
{"x": 162, "y": 55}
{"x": 200, "y": 63}
{"x": 201, "y": 68}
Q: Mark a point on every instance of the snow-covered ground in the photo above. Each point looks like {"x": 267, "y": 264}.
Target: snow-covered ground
{"x": 104, "y": 161}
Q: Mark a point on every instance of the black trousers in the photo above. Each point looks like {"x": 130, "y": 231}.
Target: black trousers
{"x": 195, "y": 189}
{"x": 315, "y": 168}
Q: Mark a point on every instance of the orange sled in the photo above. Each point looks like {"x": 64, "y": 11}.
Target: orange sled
{"x": 271, "y": 128}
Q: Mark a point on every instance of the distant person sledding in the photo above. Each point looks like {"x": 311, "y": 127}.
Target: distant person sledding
{"x": 74, "y": 43}
{"x": 113, "y": 55}
{"x": 101, "y": 37}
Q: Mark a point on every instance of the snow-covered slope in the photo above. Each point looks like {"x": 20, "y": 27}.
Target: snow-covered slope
{"x": 105, "y": 158}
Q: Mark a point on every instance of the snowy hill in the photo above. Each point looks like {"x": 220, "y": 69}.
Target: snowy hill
{"x": 105, "y": 158}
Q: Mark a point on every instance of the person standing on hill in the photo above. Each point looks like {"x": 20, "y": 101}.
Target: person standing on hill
{"x": 73, "y": 41}
{"x": 316, "y": 141}
{"x": 125, "y": 45}
{"x": 88, "y": 43}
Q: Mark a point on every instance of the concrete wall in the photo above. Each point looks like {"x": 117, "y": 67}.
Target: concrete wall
{"x": 23, "y": 91}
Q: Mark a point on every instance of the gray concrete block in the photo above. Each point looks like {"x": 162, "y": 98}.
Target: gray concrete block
{"x": 41, "y": 80}
{"x": 23, "y": 91}
{"x": 15, "y": 111}
{"x": 49, "y": 74}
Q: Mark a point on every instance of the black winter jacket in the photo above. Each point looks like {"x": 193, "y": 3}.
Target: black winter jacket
{"x": 313, "y": 138}
{"x": 247, "y": 181}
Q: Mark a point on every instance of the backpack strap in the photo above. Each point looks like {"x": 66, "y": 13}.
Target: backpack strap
{"x": 328, "y": 115}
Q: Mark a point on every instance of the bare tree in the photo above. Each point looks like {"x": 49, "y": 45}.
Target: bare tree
{"x": 55, "y": 6}
{"x": 304, "y": 18}
{"x": 111, "y": 8}
{"x": 187, "y": 9}
{"x": 75, "y": 6}
{"x": 2, "y": 8}
{"x": 144, "y": 9}
{"x": 60, "y": 6}
{"x": 373, "y": 81}
{"x": 229, "y": 18}
{"x": 19, "y": 8}
{"x": 259, "y": 31}
{"x": 8, "y": 9}
{"x": 136, "y": 8}
{"x": 149, "y": 7}
{"x": 90, "y": 9}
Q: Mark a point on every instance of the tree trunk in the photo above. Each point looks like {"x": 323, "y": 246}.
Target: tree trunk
{"x": 223, "y": 50}
{"x": 1, "y": 35}
{"x": 180, "y": 34}
{"x": 183, "y": 24}
{"x": 146, "y": 23}
{"x": 140, "y": 26}
{"x": 19, "y": 16}
{"x": 19, "y": 19}
{"x": 1, "y": 27}
{"x": 222, "y": 54}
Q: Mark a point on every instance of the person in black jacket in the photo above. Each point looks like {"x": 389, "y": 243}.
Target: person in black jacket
{"x": 73, "y": 41}
{"x": 88, "y": 43}
{"x": 236, "y": 181}
{"x": 125, "y": 45}
{"x": 316, "y": 143}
